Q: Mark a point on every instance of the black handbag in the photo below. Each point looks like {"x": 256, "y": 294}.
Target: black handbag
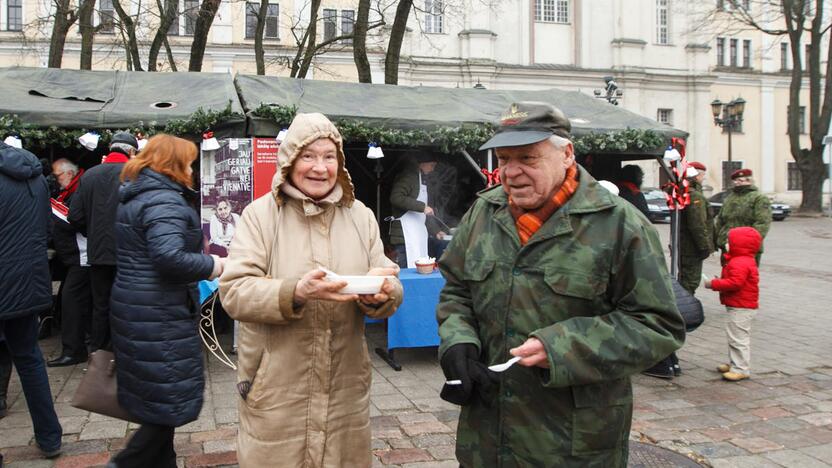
{"x": 689, "y": 307}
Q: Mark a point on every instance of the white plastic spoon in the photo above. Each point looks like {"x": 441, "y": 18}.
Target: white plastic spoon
{"x": 494, "y": 368}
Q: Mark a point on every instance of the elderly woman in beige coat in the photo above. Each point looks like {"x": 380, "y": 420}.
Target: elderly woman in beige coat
{"x": 304, "y": 372}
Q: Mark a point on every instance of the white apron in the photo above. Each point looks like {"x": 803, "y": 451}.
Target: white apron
{"x": 414, "y": 230}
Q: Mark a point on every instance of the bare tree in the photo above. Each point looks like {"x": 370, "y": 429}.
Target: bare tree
{"x": 128, "y": 27}
{"x": 63, "y": 19}
{"x": 167, "y": 15}
{"x": 87, "y": 32}
{"x": 259, "y": 53}
{"x": 394, "y": 47}
{"x": 205, "y": 17}
{"x": 802, "y": 22}
{"x": 359, "y": 42}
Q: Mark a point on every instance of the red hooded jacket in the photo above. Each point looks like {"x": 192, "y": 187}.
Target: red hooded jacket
{"x": 739, "y": 284}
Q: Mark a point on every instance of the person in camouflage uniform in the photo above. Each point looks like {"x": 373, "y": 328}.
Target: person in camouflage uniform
{"x": 583, "y": 296}
{"x": 696, "y": 231}
{"x": 744, "y": 206}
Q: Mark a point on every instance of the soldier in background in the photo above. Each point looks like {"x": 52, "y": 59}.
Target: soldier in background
{"x": 744, "y": 206}
{"x": 552, "y": 268}
{"x": 695, "y": 245}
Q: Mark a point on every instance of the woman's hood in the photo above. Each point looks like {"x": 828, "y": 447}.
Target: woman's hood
{"x": 305, "y": 129}
{"x": 18, "y": 163}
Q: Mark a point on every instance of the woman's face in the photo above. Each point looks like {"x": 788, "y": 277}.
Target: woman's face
{"x": 315, "y": 170}
{"x": 223, "y": 210}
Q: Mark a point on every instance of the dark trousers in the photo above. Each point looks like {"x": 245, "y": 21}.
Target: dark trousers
{"x": 151, "y": 445}
{"x": 21, "y": 336}
{"x": 401, "y": 255}
{"x": 101, "y": 283}
{"x": 76, "y": 303}
{"x": 690, "y": 273}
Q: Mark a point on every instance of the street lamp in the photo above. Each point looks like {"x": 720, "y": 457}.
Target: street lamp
{"x": 612, "y": 93}
{"x": 731, "y": 119}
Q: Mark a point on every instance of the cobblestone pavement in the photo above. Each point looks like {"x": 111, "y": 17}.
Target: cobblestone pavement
{"x": 781, "y": 417}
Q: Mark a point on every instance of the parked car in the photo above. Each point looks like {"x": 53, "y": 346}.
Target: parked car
{"x": 656, "y": 204}
{"x": 779, "y": 211}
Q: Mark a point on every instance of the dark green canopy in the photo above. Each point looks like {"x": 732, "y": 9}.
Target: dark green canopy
{"x": 406, "y": 107}
{"x": 64, "y": 98}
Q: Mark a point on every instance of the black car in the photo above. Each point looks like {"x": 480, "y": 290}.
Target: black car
{"x": 656, "y": 204}
{"x": 779, "y": 211}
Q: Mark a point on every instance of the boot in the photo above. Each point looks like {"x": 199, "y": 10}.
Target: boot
{"x": 723, "y": 368}
{"x": 662, "y": 370}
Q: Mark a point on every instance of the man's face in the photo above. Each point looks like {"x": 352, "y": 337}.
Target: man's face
{"x": 530, "y": 174}
{"x": 64, "y": 177}
{"x": 427, "y": 167}
{"x": 740, "y": 181}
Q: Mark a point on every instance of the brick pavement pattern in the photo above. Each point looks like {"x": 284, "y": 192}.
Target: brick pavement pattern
{"x": 781, "y": 417}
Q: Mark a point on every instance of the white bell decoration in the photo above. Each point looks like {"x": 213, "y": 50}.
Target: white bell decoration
{"x": 613, "y": 189}
{"x": 672, "y": 154}
{"x": 691, "y": 172}
{"x": 374, "y": 151}
{"x": 281, "y": 135}
{"x": 209, "y": 143}
{"x": 13, "y": 141}
{"x": 89, "y": 140}
{"x": 141, "y": 142}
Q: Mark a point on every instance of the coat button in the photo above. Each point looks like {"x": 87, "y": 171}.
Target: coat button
{"x": 509, "y": 333}
{"x": 516, "y": 272}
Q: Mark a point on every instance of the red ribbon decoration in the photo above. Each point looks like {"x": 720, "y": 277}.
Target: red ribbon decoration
{"x": 491, "y": 177}
{"x": 208, "y": 135}
{"x": 678, "y": 194}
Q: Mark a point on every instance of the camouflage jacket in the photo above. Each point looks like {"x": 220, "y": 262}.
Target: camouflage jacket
{"x": 744, "y": 206}
{"x": 592, "y": 285}
{"x": 696, "y": 225}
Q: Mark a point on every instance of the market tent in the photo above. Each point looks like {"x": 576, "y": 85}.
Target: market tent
{"x": 64, "y": 98}
{"x": 422, "y": 107}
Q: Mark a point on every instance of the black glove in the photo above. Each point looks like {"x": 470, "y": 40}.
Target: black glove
{"x": 704, "y": 254}
{"x": 461, "y": 362}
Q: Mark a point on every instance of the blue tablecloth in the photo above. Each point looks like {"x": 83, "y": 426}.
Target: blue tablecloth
{"x": 414, "y": 323}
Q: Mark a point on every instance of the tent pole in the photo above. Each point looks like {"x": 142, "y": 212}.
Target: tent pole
{"x": 475, "y": 165}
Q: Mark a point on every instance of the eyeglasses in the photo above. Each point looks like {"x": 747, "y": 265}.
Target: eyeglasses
{"x": 58, "y": 174}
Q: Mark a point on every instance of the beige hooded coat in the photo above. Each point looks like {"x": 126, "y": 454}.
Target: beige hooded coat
{"x": 307, "y": 370}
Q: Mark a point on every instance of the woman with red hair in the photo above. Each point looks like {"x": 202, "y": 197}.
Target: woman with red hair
{"x": 154, "y": 304}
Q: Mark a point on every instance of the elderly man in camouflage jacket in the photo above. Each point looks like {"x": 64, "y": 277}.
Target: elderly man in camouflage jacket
{"x": 553, "y": 268}
{"x": 744, "y": 206}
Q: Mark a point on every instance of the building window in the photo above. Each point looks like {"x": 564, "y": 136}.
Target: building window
{"x": 173, "y": 30}
{"x": 14, "y": 15}
{"x": 784, "y": 56}
{"x": 746, "y": 53}
{"x": 662, "y": 22}
{"x": 552, "y": 11}
{"x": 330, "y": 18}
{"x": 347, "y": 25}
{"x": 801, "y": 119}
{"x": 665, "y": 116}
{"x": 728, "y": 168}
{"x": 252, "y": 12}
{"x": 720, "y": 51}
{"x": 732, "y": 52}
{"x": 107, "y": 17}
{"x": 808, "y": 53}
{"x": 434, "y": 17}
{"x": 795, "y": 181}
{"x": 191, "y": 14}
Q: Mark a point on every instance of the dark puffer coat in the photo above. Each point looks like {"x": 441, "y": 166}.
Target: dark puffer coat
{"x": 25, "y": 287}
{"x": 153, "y": 308}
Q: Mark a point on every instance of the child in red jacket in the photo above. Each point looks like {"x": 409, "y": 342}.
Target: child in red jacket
{"x": 739, "y": 291}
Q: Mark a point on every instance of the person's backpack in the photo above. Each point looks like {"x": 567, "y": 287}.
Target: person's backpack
{"x": 689, "y": 307}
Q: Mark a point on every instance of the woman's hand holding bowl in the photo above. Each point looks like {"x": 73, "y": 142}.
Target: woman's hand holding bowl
{"x": 374, "y": 300}
{"x": 313, "y": 286}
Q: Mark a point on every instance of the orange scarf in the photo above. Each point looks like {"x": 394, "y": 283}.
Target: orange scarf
{"x": 528, "y": 222}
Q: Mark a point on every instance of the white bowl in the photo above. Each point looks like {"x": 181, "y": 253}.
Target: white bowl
{"x": 360, "y": 284}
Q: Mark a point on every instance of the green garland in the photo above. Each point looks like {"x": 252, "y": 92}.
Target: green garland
{"x": 467, "y": 137}
{"x": 40, "y": 137}
{"x": 447, "y": 139}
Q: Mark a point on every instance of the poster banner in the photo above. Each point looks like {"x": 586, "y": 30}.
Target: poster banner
{"x": 226, "y": 189}
{"x": 240, "y": 171}
{"x": 264, "y": 166}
